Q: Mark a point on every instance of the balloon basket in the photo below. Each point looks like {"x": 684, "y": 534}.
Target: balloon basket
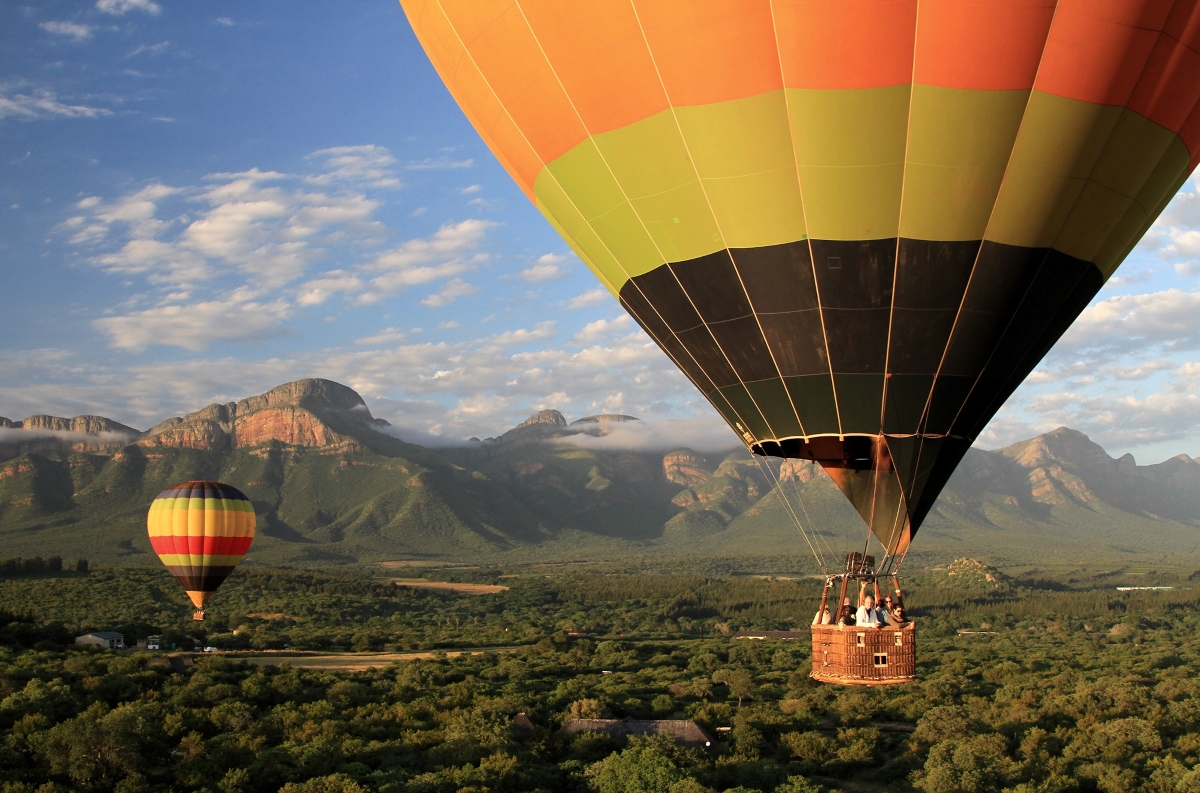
{"x": 198, "y": 614}
{"x": 862, "y": 655}
{"x": 852, "y": 656}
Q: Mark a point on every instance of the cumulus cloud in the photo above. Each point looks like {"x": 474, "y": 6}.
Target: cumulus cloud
{"x": 369, "y": 165}
{"x": 592, "y": 297}
{"x": 595, "y": 331}
{"x": 122, "y": 7}
{"x": 475, "y": 188}
{"x": 448, "y": 390}
{"x": 261, "y": 224}
{"x": 446, "y": 253}
{"x": 450, "y": 291}
{"x": 1122, "y": 420}
{"x": 71, "y": 30}
{"x": 1123, "y": 323}
{"x": 547, "y": 268}
{"x": 41, "y": 103}
{"x": 239, "y": 317}
{"x": 385, "y": 336}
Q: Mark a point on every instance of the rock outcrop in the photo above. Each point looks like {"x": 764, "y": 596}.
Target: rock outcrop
{"x": 686, "y": 467}
{"x": 55, "y": 436}
{"x": 548, "y": 416}
{"x": 297, "y": 414}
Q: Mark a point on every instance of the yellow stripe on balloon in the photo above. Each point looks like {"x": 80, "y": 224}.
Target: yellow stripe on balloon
{"x": 210, "y": 560}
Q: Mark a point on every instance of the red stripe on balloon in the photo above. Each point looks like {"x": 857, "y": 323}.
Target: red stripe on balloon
{"x": 209, "y": 546}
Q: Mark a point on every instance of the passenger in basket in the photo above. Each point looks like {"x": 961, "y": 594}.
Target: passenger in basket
{"x": 845, "y": 613}
{"x": 869, "y": 616}
{"x": 897, "y": 614}
{"x": 822, "y": 617}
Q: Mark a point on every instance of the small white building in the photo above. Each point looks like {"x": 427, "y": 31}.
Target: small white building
{"x": 150, "y": 643}
{"x": 109, "y": 640}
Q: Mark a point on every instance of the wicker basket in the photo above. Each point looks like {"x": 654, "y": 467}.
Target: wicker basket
{"x": 864, "y": 656}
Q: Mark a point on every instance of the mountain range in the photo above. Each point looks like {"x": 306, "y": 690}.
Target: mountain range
{"x": 331, "y": 483}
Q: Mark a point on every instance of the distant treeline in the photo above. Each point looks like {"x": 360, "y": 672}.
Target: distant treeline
{"x": 20, "y": 566}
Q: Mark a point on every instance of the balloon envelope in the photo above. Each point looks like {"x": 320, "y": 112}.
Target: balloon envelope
{"x": 856, "y": 225}
{"x": 200, "y": 530}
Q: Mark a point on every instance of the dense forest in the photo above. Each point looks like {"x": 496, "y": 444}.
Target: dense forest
{"x": 1054, "y": 685}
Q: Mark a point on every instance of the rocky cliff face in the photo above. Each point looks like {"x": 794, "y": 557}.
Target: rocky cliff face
{"x": 55, "y": 436}
{"x": 686, "y": 467}
{"x": 296, "y": 414}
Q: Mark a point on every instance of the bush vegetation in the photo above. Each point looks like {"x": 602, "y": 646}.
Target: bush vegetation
{"x": 1070, "y": 688}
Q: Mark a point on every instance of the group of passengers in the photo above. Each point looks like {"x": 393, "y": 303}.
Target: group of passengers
{"x": 868, "y": 615}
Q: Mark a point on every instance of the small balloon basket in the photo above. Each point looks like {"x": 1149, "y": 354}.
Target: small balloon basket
{"x": 856, "y": 655}
{"x": 198, "y": 614}
{"x": 853, "y": 656}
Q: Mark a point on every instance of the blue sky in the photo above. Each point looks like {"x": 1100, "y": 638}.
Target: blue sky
{"x": 199, "y": 201}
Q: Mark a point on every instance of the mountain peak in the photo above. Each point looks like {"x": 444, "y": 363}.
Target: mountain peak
{"x": 308, "y": 392}
{"x": 548, "y": 416}
{"x": 299, "y": 413}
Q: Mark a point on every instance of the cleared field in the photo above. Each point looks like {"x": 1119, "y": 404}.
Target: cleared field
{"x": 357, "y": 662}
{"x": 466, "y": 589}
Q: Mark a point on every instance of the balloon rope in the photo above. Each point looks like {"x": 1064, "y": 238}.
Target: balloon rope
{"x": 778, "y": 489}
{"x": 874, "y": 493}
{"x": 800, "y": 500}
{"x": 889, "y": 553}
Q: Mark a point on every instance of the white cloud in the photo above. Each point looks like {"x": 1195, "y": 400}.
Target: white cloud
{"x": 21, "y": 435}
{"x": 540, "y": 331}
{"x": 41, "y": 103}
{"x": 226, "y": 21}
{"x": 448, "y": 325}
{"x": 475, "y": 387}
{"x": 385, "y": 336}
{"x": 122, "y": 7}
{"x": 704, "y": 433}
{"x": 369, "y": 165}
{"x": 441, "y": 163}
{"x": 591, "y": 297}
{"x": 444, "y": 254}
{"x": 197, "y": 326}
{"x": 1123, "y": 323}
{"x": 71, "y": 30}
{"x": 548, "y": 267}
{"x": 600, "y": 329}
{"x": 150, "y": 49}
{"x": 257, "y": 223}
{"x": 318, "y": 290}
{"x": 450, "y": 291}
{"x": 475, "y": 188}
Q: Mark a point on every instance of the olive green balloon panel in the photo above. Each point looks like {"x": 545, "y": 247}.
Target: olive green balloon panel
{"x": 856, "y": 225}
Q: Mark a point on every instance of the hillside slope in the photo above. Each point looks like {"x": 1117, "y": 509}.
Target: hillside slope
{"x": 332, "y": 483}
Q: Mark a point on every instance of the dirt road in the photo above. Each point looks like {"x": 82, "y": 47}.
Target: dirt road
{"x": 355, "y": 662}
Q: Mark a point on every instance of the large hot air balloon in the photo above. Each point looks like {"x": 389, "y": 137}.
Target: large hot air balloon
{"x": 201, "y": 530}
{"x": 856, "y": 225}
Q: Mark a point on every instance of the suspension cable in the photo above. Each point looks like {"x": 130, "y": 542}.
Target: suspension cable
{"x": 820, "y": 537}
{"x": 777, "y": 488}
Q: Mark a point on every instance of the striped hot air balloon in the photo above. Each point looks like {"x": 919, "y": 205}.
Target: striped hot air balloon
{"x": 201, "y": 530}
{"x": 855, "y": 225}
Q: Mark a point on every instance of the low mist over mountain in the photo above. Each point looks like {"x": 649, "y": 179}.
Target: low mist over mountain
{"x": 331, "y": 483}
